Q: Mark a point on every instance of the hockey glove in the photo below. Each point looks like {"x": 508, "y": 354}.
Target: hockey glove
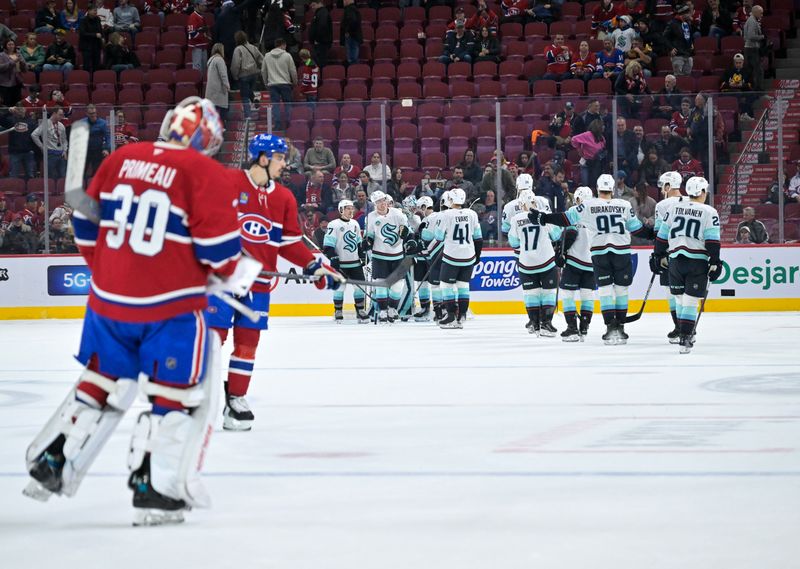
{"x": 656, "y": 266}
{"x": 714, "y": 270}
{"x": 412, "y": 247}
{"x": 329, "y": 278}
{"x": 239, "y": 283}
{"x": 334, "y": 259}
{"x": 559, "y": 258}
{"x": 535, "y": 216}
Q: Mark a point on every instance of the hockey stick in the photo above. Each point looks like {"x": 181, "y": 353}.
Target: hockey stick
{"x": 635, "y": 317}
{"x": 395, "y": 276}
{"x": 74, "y": 194}
{"x": 237, "y": 306}
{"x": 702, "y": 308}
{"x": 316, "y": 248}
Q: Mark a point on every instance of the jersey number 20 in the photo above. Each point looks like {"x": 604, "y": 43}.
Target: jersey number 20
{"x": 147, "y": 231}
{"x": 685, "y": 226}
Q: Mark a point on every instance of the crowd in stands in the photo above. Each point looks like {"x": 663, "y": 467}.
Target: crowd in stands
{"x": 651, "y": 56}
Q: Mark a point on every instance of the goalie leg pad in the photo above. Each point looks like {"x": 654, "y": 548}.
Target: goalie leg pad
{"x": 178, "y": 441}
{"x": 84, "y": 429}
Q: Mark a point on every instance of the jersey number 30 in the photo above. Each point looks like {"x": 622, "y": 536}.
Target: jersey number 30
{"x": 149, "y": 226}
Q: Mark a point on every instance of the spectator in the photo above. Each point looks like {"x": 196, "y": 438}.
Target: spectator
{"x": 558, "y": 59}
{"x": 362, "y": 206}
{"x": 743, "y": 236}
{"x": 6, "y": 34}
{"x": 633, "y": 8}
{"x": 70, "y": 17}
{"x": 641, "y": 54}
{"x": 641, "y": 144}
{"x": 591, "y": 147}
{"x": 603, "y": 18}
{"x": 320, "y": 32}
{"x": 90, "y": 40}
{"x": 309, "y": 77}
{"x": 346, "y": 166}
{"x": 319, "y": 158}
{"x": 319, "y": 232}
{"x": 458, "y": 181}
{"x": 20, "y": 238}
{"x": 591, "y": 114}
{"x": 217, "y": 85}
{"x": 278, "y": 24}
{"x": 33, "y": 103}
{"x": 343, "y": 187}
{"x": 528, "y": 162}
{"x": 6, "y": 215}
{"x": 687, "y": 166}
{"x": 316, "y": 195}
{"x": 60, "y": 56}
{"x": 740, "y": 16}
{"x": 621, "y": 189}
{"x": 378, "y": 171}
{"x": 489, "y": 181}
{"x": 228, "y": 22}
{"x": 516, "y": 11}
{"x": 626, "y": 147}
{"x": 458, "y": 46}
{"x": 487, "y": 47}
{"x": 472, "y": 170}
{"x": 630, "y": 88}
{"x": 119, "y": 56}
{"x": 582, "y": 66}
{"x": 609, "y": 61}
{"x": 280, "y": 76}
{"x": 99, "y": 140}
{"x": 32, "y": 53}
{"x": 106, "y": 18}
{"x": 668, "y": 145}
{"x": 47, "y": 19}
{"x": 458, "y": 15}
{"x": 351, "y": 35}
{"x": 245, "y": 66}
{"x": 51, "y": 136}
{"x": 715, "y": 22}
{"x": 775, "y": 189}
{"x": 698, "y": 128}
{"x": 294, "y": 162}
{"x": 61, "y": 240}
{"x": 565, "y": 123}
{"x": 488, "y": 216}
{"x": 309, "y": 222}
{"x": 754, "y": 40}
{"x": 623, "y": 36}
{"x": 738, "y": 80}
{"x": 679, "y": 124}
{"x": 124, "y": 132}
{"x": 653, "y": 36}
{"x": 483, "y": 18}
{"x": 12, "y": 67}
{"x": 668, "y": 99}
{"x": 554, "y": 188}
{"x": 397, "y": 187}
{"x": 645, "y": 209}
{"x": 33, "y": 214}
{"x": 197, "y": 36}
{"x": 758, "y": 232}
{"x": 679, "y": 35}
{"x": 652, "y": 167}
{"x": 57, "y": 100}
{"x": 286, "y": 180}
{"x": 561, "y": 163}
{"x": 793, "y": 192}
{"x": 366, "y": 184}
{"x": 21, "y": 150}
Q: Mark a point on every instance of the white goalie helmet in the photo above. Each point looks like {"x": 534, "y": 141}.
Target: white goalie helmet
{"x": 410, "y": 202}
{"x": 526, "y": 197}
{"x": 582, "y": 194}
{"x": 377, "y": 196}
{"x": 524, "y": 182}
{"x": 425, "y": 202}
{"x": 343, "y": 204}
{"x": 696, "y": 185}
{"x": 672, "y": 178}
{"x": 458, "y": 196}
{"x": 605, "y": 183}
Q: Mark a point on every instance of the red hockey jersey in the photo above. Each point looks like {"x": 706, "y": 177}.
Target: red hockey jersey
{"x": 167, "y": 220}
{"x": 309, "y": 79}
{"x": 269, "y": 225}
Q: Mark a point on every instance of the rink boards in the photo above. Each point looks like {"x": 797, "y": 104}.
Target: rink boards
{"x": 753, "y": 279}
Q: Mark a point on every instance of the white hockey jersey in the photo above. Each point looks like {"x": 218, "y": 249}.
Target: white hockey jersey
{"x": 662, "y": 207}
{"x": 513, "y": 207}
{"x": 344, "y": 237}
{"x": 386, "y": 233}
{"x": 458, "y": 229}
{"x": 579, "y": 254}
{"x": 535, "y": 245}
{"x": 610, "y": 223}
{"x": 687, "y": 227}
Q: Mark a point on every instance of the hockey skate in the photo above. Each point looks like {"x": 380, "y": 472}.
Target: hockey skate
{"x": 533, "y": 327}
{"x": 610, "y": 336}
{"x": 547, "y": 330}
{"x": 687, "y": 343}
{"x": 621, "y": 336}
{"x": 392, "y": 315}
{"x": 237, "y": 415}
{"x": 363, "y": 317}
{"x": 584, "y": 327}
{"x": 423, "y": 314}
{"x": 571, "y": 334}
{"x": 152, "y": 508}
{"x": 46, "y": 473}
{"x": 674, "y": 337}
{"x": 338, "y": 315}
{"x": 383, "y": 316}
{"x": 449, "y": 321}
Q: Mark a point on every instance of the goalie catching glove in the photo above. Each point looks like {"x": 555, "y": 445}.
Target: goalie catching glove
{"x": 328, "y": 277}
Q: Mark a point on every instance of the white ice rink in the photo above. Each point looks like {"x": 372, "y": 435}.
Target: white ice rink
{"x": 409, "y": 447}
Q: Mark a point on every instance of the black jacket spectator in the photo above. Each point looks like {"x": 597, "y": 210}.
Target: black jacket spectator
{"x": 677, "y": 40}
{"x": 655, "y": 39}
{"x": 459, "y": 46}
{"x": 667, "y": 102}
{"x": 652, "y": 167}
{"x": 758, "y": 233}
{"x": 229, "y": 21}
{"x": 46, "y": 18}
{"x": 723, "y": 21}
{"x": 351, "y": 24}
{"x": 90, "y": 41}
{"x": 63, "y": 50}
{"x": 320, "y": 33}
{"x": 120, "y": 55}
{"x": 669, "y": 147}
{"x": 488, "y": 44}
{"x": 472, "y": 170}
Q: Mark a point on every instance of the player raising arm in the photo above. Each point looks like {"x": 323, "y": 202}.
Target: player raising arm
{"x": 611, "y": 222}
{"x": 269, "y": 227}
{"x": 167, "y": 223}
{"x": 689, "y": 235}
{"x": 342, "y": 245}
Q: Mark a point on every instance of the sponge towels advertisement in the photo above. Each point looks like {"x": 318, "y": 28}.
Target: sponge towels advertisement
{"x": 753, "y": 279}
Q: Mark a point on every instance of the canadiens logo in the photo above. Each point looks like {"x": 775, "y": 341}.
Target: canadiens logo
{"x": 255, "y": 228}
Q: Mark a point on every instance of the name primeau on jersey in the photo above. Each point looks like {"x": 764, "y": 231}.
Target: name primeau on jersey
{"x": 150, "y": 172}
{"x": 691, "y": 212}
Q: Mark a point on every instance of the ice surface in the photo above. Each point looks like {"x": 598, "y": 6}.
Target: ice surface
{"x": 407, "y": 446}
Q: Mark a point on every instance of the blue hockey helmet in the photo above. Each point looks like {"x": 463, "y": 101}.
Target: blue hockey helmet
{"x": 268, "y": 144}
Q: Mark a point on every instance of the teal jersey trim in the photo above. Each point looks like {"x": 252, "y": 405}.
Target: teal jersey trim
{"x": 387, "y": 256}
{"x": 633, "y": 224}
{"x": 547, "y": 267}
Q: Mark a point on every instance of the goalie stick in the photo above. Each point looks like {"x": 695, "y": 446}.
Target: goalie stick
{"x": 395, "y": 276}
{"x": 76, "y": 196}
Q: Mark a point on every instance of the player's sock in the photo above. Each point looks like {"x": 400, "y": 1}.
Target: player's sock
{"x": 532, "y": 307}
{"x": 687, "y": 315}
{"x": 548, "y": 308}
{"x": 621, "y": 304}
{"x": 463, "y": 301}
{"x": 608, "y": 308}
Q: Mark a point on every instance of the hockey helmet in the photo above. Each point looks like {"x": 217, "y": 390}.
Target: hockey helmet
{"x": 526, "y": 197}
{"x": 458, "y": 196}
{"x": 343, "y": 204}
{"x": 377, "y": 196}
{"x": 444, "y": 200}
{"x": 696, "y": 185}
{"x": 582, "y": 194}
{"x": 605, "y": 183}
{"x": 524, "y": 182}
{"x": 268, "y": 144}
{"x": 425, "y": 202}
{"x": 410, "y": 202}
{"x": 194, "y": 123}
{"x": 672, "y": 178}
